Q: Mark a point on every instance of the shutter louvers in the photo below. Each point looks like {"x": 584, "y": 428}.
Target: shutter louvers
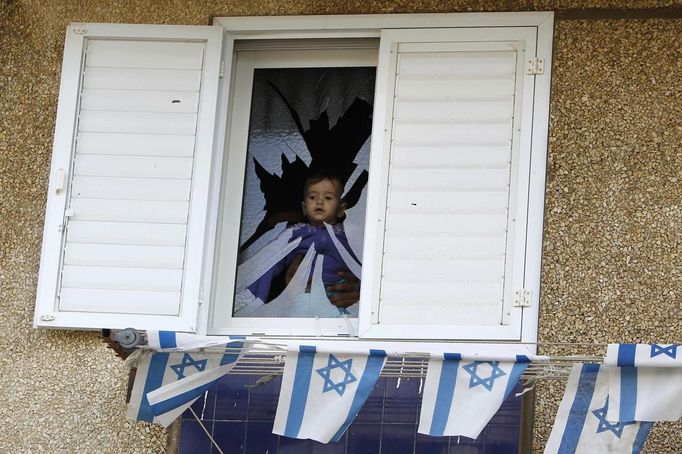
{"x": 133, "y": 175}
{"x": 450, "y": 225}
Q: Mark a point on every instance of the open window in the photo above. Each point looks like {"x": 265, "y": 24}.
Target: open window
{"x": 309, "y": 106}
{"x": 160, "y": 195}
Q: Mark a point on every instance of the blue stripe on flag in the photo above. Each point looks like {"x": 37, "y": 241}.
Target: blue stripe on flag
{"x": 515, "y": 375}
{"x": 628, "y": 394}
{"x": 579, "y": 408}
{"x": 167, "y": 339}
{"x": 446, "y": 390}
{"x": 231, "y": 356}
{"x": 370, "y": 375}
{"x": 154, "y": 380}
{"x": 626, "y": 355}
{"x": 640, "y": 438}
{"x": 176, "y": 401}
{"x": 299, "y": 392}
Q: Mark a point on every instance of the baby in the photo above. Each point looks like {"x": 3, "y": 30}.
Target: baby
{"x": 324, "y": 234}
{"x": 322, "y": 205}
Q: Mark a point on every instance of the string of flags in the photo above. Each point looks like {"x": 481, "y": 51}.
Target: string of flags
{"x": 605, "y": 408}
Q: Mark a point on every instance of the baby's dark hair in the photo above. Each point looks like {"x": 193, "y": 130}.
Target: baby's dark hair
{"x": 323, "y": 175}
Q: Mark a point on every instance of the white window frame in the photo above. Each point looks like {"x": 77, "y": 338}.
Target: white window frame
{"x": 310, "y": 55}
{"x": 370, "y": 26}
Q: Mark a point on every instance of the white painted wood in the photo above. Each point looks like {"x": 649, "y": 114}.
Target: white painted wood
{"x": 135, "y": 144}
{"x": 437, "y": 134}
{"x": 130, "y": 188}
{"x": 415, "y": 224}
{"x": 129, "y": 210}
{"x": 465, "y": 244}
{"x": 452, "y": 156}
{"x": 446, "y": 90}
{"x": 117, "y": 278}
{"x": 445, "y": 196}
{"x": 443, "y": 179}
{"x": 469, "y": 111}
{"x": 120, "y": 301}
{"x": 135, "y": 154}
{"x": 134, "y": 166}
{"x": 447, "y": 202}
{"x": 140, "y": 101}
{"x": 144, "y": 54}
{"x": 126, "y": 233}
{"x": 137, "y": 122}
{"x": 214, "y": 195}
{"x": 377, "y": 22}
{"x": 536, "y": 197}
{"x": 469, "y": 292}
{"x": 469, "y": 312}
{"x": 438, "y": 269}
{"x": 369, "y": 25}
{"x": 51, "y": 250}
{"x": 142, "y": 79}
{"x": 119, "y": 255}
{"x": 432, "y": 65}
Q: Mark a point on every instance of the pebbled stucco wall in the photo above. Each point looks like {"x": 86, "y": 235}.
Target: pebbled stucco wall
{"x": 613, "y": 221}
{"x": 612, "y": 250}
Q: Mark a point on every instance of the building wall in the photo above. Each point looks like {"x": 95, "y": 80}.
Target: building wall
{"x": 613, "y": 218}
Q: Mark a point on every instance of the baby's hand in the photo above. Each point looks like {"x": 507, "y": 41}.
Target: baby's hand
{"x": 346, "y": 293}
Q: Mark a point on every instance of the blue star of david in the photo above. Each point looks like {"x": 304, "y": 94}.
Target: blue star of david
{"x": 604, "y": 425}
{"x": 488, "y": 382}
{"x": 325, "y": 372}
{"x": 670, "y": 350}
{"x": 187, "y": 361}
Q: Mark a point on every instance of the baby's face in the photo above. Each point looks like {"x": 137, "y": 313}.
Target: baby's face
{"x": 322, "y": 203}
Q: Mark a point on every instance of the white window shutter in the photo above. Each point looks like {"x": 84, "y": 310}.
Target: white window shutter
{"x": 453, "y": 165}
{"x": 126, "y": 210}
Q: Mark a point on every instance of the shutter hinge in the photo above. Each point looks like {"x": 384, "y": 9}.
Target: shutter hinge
{"x": 222, "y": 69}
{"x": 79, "y": 30}
{"x": 201, "y": 296}
{"x": 521, "y": 298}
{"x": 47, "y": 318}
{"x": 535, "y": 66}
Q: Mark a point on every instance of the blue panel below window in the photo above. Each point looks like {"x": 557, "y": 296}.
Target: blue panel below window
{"x": 373, "y": 409}
{"x": 364, "y": 438}
{"x": 240, "y": 419}
{"x": 263, "y": 400}
{"x": 402, "y": 400}
{"x": 260, "y": 439}
{"x": 232, "y": 398}
{"x": 193, "y": 439}
{"x": 431, "y": 445}
{"x": 230, "y": 436}
{"x": 398, "y": 438}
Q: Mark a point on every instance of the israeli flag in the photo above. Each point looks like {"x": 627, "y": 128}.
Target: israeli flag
{"x": 461, "y": 396}
{"x": 168, "y": 382}
{"x": 646, "y": 382}
{"x": 171, "y": 341}
{"x": 581, "y": 424}
{"x": 322, "y": 392}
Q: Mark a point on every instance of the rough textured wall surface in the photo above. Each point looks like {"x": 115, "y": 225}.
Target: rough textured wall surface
{"x": 612, "y": 250}
{"x": 612, "y": 230}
